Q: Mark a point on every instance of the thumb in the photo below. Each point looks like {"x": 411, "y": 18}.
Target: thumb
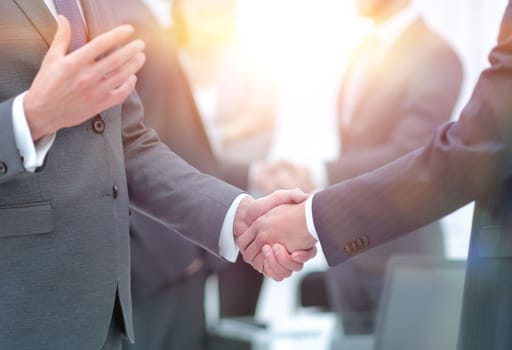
{"x": 62, "y": 38}
{"x": 263, "y": 205}
{"x": 298, "y": 196}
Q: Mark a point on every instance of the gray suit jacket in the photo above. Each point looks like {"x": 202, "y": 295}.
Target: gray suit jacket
{"x": 466, "y": 160}
{"x": 410, "y": 93}
{"x": 64, "y": 229}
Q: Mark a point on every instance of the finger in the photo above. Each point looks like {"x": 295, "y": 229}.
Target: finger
{"x": 303, "y": 256}
{"x": 285, "y": 259}
{"x": 103, "y": 43}
{"x": 117, "y": 96}
{"x": 253, "y": 249}
{"x": 121, "y": 75}
{"x": 118, "y": 58}
{"x": 298, "y": 196}
{"x": 268, "y": 269}
{"x": 271, "y": 261}
{"x": 246, "y": 238}
{"x": 258, "y": 261}
{"x": 62, "y": 38}
{"x": 268, "y": 272}
{"x": 277, "y": 198}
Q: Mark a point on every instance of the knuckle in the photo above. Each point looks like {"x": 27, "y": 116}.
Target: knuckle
{"x": 101, "y": 41}
{"x": 115, "y": 61}
{"x": 83, "y": 81}
{"x": 296, "y": 267}
{"x": 69, "y": 65}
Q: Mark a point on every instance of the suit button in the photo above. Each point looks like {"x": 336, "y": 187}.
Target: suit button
{"x": 98, "y": 125}
{"x": 348, "y": 251}
{"x": 115, "y": 192}
{"x": 3, "y": 168}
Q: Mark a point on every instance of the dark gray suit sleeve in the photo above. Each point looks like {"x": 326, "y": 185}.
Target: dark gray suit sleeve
{"x": 168, "y": 189}
{"x": 462, "y": 162}
{"x": 10, "y": 157}
{"x": 431, "y": 94}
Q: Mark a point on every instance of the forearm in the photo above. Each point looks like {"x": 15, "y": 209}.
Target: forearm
{"x": 168, "y": 189}
{"x": 458, "y": 166}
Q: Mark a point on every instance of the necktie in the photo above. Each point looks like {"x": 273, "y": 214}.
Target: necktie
{"x": 358, "y": 78}
{"x": 69, "y": 9}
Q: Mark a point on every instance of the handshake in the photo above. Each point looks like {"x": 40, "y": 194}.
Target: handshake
{"x": 272, "y": 233}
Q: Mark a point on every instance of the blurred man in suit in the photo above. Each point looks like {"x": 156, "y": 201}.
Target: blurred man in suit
{"x": 74, "y": 154}
{"x": 402, "y": 83}
{"x": 464, "y": 161}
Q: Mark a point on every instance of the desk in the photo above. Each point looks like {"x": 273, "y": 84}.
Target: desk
{"x": 303, "y": 331}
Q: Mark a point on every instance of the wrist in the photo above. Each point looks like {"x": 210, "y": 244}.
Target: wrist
{"x": 309, "y": 239}
{"x": 240, "y": 224}
{"x": 38, "y": 128}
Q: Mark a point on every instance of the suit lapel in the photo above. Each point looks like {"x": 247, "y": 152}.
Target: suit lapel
{"x": 380, "y": 75}
{"x": 364, "y": 92}
{"x": 40, "y": 17}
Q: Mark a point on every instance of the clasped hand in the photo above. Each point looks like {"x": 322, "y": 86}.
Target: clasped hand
{"x": 272, "y": 233}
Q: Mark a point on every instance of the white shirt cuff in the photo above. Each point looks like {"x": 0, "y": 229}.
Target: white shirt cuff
{"x": 33, "y": 154}
{"x": 318, "y": 173}
{"x": 309, "y": 217}
{"x": 227, "y": 244}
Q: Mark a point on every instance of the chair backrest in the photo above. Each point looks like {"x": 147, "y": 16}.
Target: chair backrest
{"x": 420, "y": 304}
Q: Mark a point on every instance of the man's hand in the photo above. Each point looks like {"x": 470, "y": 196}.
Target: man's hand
{"x": 279, "y": 264}
{"x": 71, "y": 88}
{"x": 270, "y": 177}
{"x": 284, "y": 225}
{"x": 250, "y": 210}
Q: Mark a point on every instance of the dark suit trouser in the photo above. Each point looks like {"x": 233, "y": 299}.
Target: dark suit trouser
{"x": 172, "y": 318}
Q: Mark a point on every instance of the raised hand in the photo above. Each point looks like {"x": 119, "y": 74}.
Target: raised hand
{"x": 273, "y": 176}
{"x": 286, "y": 225}
{"x": 250, "y": 210}
{"x": 71, "y": 88}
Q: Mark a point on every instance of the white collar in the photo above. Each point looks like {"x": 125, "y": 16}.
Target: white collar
{"x": 390, "y": 30}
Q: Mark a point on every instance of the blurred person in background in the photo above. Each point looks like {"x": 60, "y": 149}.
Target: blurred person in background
{"x": 236, "y": 101}
{"x": 402, "y": 83}
{"x": 234, "y": 90}
{"x": 168, "y": 284}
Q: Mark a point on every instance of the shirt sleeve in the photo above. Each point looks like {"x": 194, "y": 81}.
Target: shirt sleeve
{"x": 227, "y": 245}
{"x": 32, "y": 153}
{"x": 310, "y": 223}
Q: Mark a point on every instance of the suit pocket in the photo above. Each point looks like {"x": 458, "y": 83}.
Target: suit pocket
{"x": 495, "y": 242}
{"x": 26, "y": 219}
